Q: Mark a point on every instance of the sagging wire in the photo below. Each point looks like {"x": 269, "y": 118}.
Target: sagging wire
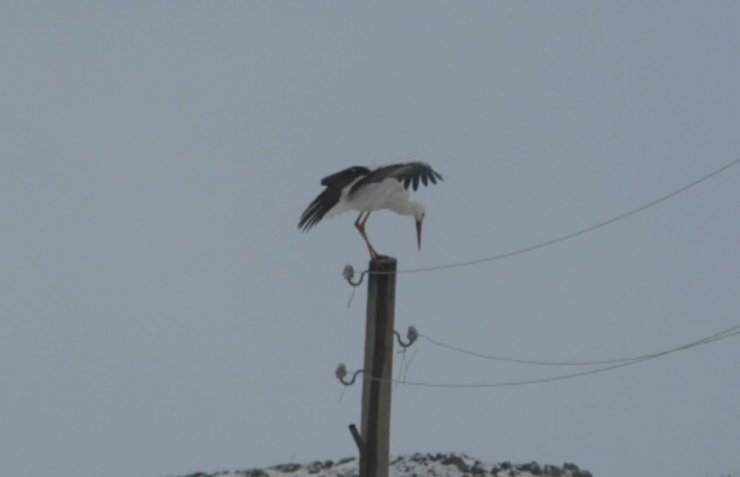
{"x": 594, "y": 362}
{"x": 561, "y": 238}
{"x": 722, "y": 335}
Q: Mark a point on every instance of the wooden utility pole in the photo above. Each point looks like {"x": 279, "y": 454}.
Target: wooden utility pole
{"x": 376, "y": 388}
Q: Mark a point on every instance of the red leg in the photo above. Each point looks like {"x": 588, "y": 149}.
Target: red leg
{"x": 360, "y": 225}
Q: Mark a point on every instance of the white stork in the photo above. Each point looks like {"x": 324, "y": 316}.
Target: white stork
{"x": 360, "y": 189}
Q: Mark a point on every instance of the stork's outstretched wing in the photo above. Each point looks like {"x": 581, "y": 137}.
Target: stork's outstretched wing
{"x": 330, "y": 196}
{"x": 409, "y": 174}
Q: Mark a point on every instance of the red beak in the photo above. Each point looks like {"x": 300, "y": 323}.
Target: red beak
{"x": 418, "y": 234}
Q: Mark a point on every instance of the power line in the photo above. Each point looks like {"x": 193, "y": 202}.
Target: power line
{"x": 594, "y": 362}
{"x": 722, "y": 335}
{"x": 532, "y": 362}
{"x": 562, "y": 238}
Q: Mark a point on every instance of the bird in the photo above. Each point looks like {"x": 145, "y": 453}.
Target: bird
{"x": 363, "y": 190}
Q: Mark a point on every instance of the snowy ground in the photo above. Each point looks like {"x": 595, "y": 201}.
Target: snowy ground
{"x": 417, "y": 465}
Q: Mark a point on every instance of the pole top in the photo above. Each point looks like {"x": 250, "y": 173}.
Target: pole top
{"x": 382, "y": 263}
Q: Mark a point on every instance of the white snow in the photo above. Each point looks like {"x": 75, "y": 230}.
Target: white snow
{"x": 416, "y": 465}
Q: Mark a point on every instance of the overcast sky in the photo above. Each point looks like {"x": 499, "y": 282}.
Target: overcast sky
{"x": 161, "y": 314}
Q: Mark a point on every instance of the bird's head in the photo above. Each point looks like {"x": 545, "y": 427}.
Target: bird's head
{"x": 419, "y": 217}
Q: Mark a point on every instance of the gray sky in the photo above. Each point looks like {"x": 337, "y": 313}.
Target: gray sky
{"x": 161, "y": 314}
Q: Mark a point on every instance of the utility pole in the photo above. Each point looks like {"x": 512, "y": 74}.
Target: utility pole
{"x": 378, "y": 369}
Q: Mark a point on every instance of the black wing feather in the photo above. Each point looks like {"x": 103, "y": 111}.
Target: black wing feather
{"x": 344, "y": 177}
{"x": 316, "y": 210}
{"x": 409, "y": 174}
{"x": 329, "y": 197}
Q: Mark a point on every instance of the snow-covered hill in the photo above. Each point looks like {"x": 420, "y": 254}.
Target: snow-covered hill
{"x": 417, "y": 465}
